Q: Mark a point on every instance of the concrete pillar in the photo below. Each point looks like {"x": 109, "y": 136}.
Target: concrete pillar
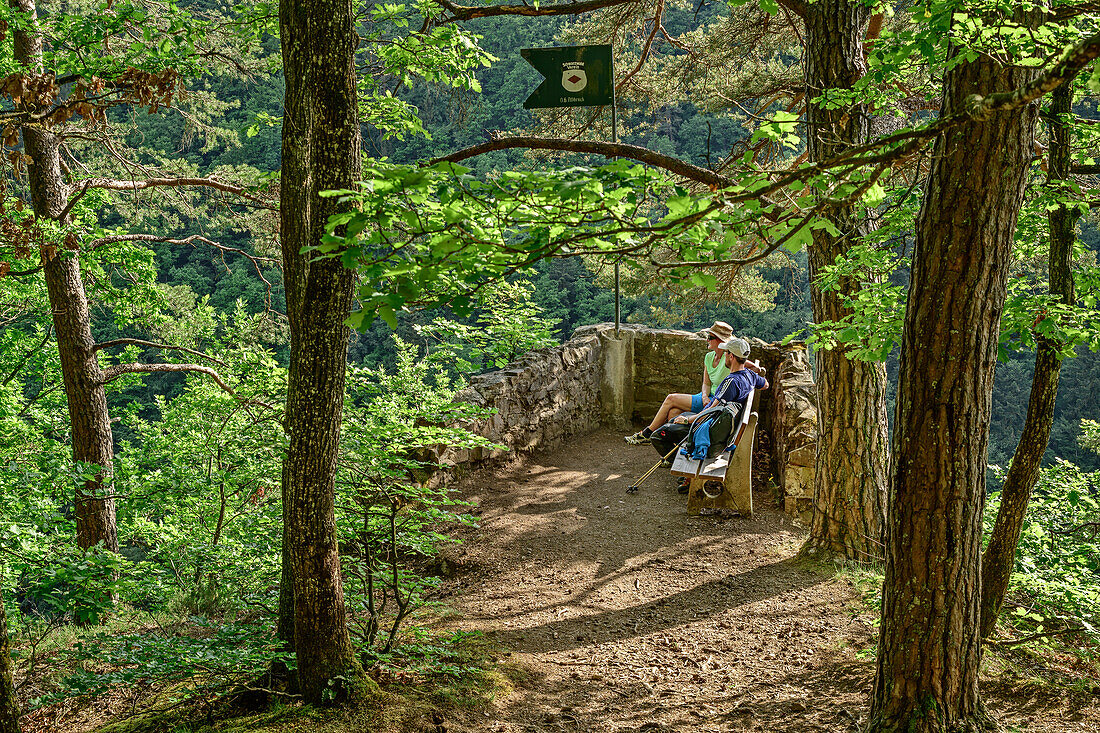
{"x": 617, "y": 378}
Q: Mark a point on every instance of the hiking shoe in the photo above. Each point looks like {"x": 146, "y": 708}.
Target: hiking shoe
{"x": 637, "y": 439}
{"x": 685, "y": 484}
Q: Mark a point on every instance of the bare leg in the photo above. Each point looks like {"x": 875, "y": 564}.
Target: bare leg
{"x": 680, "y": 402}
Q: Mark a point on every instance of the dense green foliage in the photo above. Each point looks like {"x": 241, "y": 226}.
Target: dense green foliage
{"x": 197, "y": 470}
{"x": 1056, "y": 584}
{"x": 200, "y": 518}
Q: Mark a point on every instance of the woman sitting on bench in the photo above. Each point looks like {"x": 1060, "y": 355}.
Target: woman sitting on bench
{"x": 676, "y": 404}
{"x": 734, "y": 389}
{"x": 741, "y": 381}
{"x": 714, "y": 371}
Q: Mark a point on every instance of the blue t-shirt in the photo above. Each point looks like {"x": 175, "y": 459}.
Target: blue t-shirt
{"x": 736, "y": 387}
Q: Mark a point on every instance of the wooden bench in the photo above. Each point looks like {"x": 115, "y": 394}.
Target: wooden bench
{"x": 725, "y": 481}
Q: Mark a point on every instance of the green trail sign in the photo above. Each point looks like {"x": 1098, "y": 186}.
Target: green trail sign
{"x": 576, "y": 76}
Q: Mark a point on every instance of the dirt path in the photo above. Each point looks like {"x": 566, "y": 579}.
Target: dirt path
{"x": 631, "y": 615}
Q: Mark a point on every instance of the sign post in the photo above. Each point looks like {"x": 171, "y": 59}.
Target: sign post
{"x": 576, "y": 76}
{"x": 615, "y": 139}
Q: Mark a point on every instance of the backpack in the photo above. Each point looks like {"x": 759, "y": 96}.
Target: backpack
{"x": 719, "y": 429}
{"x": 668, "y": 436}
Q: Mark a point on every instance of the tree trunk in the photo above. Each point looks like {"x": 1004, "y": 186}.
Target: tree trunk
{"x": 929, "y": 646}
{"x": 321, "y": 151}
{"x": 1000, "y": 556}
{"x": 851, "y": 464}
{"x": 91, "y": 424}
{"x": 285, "y": 623}
{"x": 9, "y": 711}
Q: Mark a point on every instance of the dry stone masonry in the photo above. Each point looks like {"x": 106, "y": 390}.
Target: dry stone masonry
{"x": 540, "y": 400}
{"x": 793, "y": 427}
{"x": 600, "y": 377}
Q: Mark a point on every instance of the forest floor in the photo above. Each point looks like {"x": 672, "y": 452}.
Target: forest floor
{"x": 609, "y": 612}
{"x": 621, "y": 612}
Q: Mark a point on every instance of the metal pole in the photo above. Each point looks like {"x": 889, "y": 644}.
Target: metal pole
{"x": 615, "y": 139}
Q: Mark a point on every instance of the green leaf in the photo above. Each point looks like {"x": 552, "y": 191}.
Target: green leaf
{"x": 387, "y": 314}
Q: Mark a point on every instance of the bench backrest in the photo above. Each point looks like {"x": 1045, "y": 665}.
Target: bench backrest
{"x": 746, "y": 412}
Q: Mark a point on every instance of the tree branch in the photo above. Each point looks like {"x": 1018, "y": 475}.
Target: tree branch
{"x": 19, "y": 273}
{"x": 907, "y": 142}
{"x": 1069, "y": 12}
{"x": 981, "y": 108}
{"x": 26, "y": 357}
{"x": 152, "y": 345}
{"x": 610, "y": 150}
{"x": 977, "y": 108}
{"x": 118, "y": 185}
{"x": 470, "y": 12}
{"x": 657, "y": 17}
{"x": 112, "y": 373}
{"x": 1033, "y": 637}
{"x": 1094, "y": 526}
{"x": 38, "y": 395}
{"x": 254, "y": 259}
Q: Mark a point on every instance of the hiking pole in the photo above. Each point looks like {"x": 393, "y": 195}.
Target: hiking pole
{"x": 633, "y": 488}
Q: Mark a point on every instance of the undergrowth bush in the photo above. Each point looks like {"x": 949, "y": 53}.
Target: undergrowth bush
{"x": 394, "y": 509}
{"x": 1056, "y": 581}
{"x": 200, "y": 655}
{"x": 197, "y": 485}
{"x": 508, "y": 324}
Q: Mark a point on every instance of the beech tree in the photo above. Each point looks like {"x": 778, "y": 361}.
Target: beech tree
{"x": 1000, "y": 555}
{"x": 929, "y": 643}
{"x": 852, "y": 433}
{"x": 84, "y": 379}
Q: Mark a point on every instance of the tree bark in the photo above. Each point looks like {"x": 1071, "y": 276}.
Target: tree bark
{"x": 1000, "y": 556}
{"x": 321, "y": 151}
{"x": 929, "y": 646}
{"x": 850, "y": 468}
{"x": 91, "y": 424}
{"x": 285, "y": 622}
{"x": 9, "y": 710}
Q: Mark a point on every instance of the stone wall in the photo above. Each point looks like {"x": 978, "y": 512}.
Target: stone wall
{"x": 539, "y": 401}
{"x": 794, "y": 432}
{"x": 600, "y": 377}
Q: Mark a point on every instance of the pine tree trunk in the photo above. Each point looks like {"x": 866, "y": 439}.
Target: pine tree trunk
{"x": 91, "y": 424}
{"x": 9, "y": 711}
{"x": 929, "y": 646}
{"x": 850, "y": 468}
{"x": 321, "y": 151}
{"x": 1000, "y": 556}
